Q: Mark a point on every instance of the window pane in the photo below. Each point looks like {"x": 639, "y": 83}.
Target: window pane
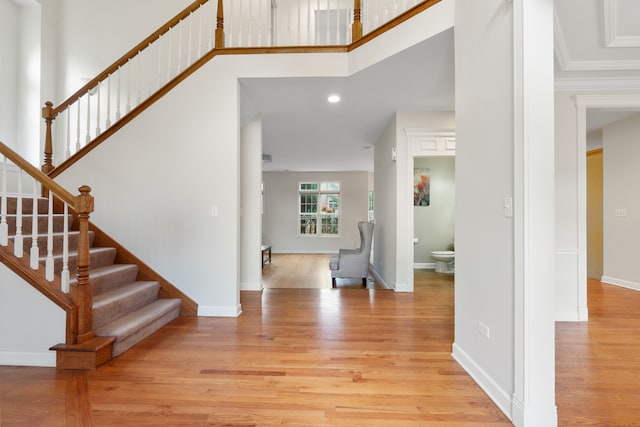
{"x": 329, "y": 186}
{"x": 329, "y": 203}
{"x": 329, "y": 224}
{"x": 308, "y": 203}
{"x": 308, "y": 224}
{"x": 309, "y": 186}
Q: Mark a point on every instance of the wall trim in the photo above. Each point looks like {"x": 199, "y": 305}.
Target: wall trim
{"x": 379, "y": 279}
{"x": 500, "y": 397}
{"x": 424, "y": 265}
{"x": 620, "y": 282}
{"x": 23, "y": 358}
{"x": 219, "y": 311}
{"x": 251, "y": 286}
{"x": 592, "y": 84}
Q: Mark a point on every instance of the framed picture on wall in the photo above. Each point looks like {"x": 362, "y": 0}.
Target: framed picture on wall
{"x": 421, "y": 187}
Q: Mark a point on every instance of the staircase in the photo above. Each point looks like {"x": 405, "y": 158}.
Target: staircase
{"x": 125, "y": 309}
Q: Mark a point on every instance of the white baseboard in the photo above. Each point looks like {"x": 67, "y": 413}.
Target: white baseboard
{"x": 500, "y": 397}
{"x": 250, "y": 286}
{"x": 580, "y": 315}
{"x": 424, "y": 265}
{"x": 219, "y": 311}
{"x": 297, "y": 251}
{"x": 619, "y": 282}
{"x": 378, "y": 278}
{"x": 47, "y": 359}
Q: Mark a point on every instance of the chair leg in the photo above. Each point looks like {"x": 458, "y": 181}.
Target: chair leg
{"x": 333, "y": 282}
{"x": 364, "y": 282}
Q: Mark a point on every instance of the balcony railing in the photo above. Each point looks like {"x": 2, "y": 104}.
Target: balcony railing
{"x": 140, "y": 76}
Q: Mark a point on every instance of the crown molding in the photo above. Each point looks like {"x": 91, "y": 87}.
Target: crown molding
{"x": 592, "y": 84}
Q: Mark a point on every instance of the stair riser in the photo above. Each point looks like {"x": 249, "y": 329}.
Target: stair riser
{"x": 109, "y": 282}
{"x": 43, "y": 224}
{"x": 124, "y": 304}
{"x": 123, "y": 344}
{"x": 96, "y": 259}
{"x": 27, "y": 204}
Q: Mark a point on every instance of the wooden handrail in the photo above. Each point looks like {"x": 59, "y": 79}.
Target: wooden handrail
{"x": 127, "y": 56}
{"x": 47, "y": 182}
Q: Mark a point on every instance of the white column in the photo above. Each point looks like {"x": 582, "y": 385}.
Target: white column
{"x": 534, "y": 219}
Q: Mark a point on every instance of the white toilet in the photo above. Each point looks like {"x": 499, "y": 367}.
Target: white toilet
{"x": 444, "y": 261}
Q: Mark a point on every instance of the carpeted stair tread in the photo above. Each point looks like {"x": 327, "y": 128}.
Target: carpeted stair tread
{"x": 132, "y": 328}
{"x": 108, "y": 277}
{"x": 98, "y": 257}
{"x": 112, "y": 305}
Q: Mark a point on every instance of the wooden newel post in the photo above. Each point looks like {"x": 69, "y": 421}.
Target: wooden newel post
{"x": 82, "y": 292}
{"x": 356, "y": 29}
{"x": 220, "y": 26}
{"x": 47, "y": 115}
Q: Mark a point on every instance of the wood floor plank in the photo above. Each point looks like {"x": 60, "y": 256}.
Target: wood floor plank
{"x": 329, "y": 357}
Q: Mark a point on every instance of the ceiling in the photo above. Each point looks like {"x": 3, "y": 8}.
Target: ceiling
{"x": 597, "y": 42}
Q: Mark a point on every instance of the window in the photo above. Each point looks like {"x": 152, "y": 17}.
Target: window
{"x": 371, "y": 206}
{"x": 319, "y": 208}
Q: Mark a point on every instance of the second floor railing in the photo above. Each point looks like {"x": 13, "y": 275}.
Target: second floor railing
{"x": 206, "y": 25}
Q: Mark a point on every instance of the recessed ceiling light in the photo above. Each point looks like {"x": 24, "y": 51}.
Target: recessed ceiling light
{"x": 333, "y": 98}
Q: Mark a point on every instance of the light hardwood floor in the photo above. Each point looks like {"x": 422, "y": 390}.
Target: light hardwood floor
{"x": 329, "y": 357}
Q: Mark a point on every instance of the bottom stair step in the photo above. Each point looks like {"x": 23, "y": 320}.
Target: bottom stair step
{"x": 134, "y": 327}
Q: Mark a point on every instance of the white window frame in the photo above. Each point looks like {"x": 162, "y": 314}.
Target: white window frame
{"x": 315, "y": 228}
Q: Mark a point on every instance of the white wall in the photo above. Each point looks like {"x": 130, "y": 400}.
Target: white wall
{"x": 281, "y": 211}
{"x": 434, "y": 225}
{"x": 384, "y": 233}
{"x": 251, "y": 205}
{"x": 621, "y": 156}
{"x": 9, "y": 33}
{"x": 29, "y": 323}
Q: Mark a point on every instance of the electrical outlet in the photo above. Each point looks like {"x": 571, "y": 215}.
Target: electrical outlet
{"x": 483, "y": 330}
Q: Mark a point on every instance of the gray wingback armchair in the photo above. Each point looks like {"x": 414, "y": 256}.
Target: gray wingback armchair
{"x": 354, "y": 263}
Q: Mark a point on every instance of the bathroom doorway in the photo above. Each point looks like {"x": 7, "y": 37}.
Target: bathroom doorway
{"x": 433, "y": 210}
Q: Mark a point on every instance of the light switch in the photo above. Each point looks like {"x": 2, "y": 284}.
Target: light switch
{"x": 214, "y": 211}
{"x": 508, "y": 207}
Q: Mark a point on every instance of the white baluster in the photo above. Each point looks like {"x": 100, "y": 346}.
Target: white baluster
{"x": 170, "y": 36}
{"x": 67, "y": 151}
{"x": 118, "y": 94}
{"x": 309, "y": 35}
{"x": 49, "y": 262}
{"x": 78, "y": 127}
{"x": 4, "y": 226}
{"x": 98, "y": 131}
{"x": 108, "y": 122}
{"x": 179, "y": 64}
{"x": 18, "y": 243}
{"x": 64, "y": 275}
{"x": 35, "y": 253}
{"x": 147, "y": 72}
{"x": 200, "y": 47}
{"x": 190, "y": 51}
{"x": 129, "y": 65}
{"x": 88, "y": 138}
{"x": 159, "y": 43}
